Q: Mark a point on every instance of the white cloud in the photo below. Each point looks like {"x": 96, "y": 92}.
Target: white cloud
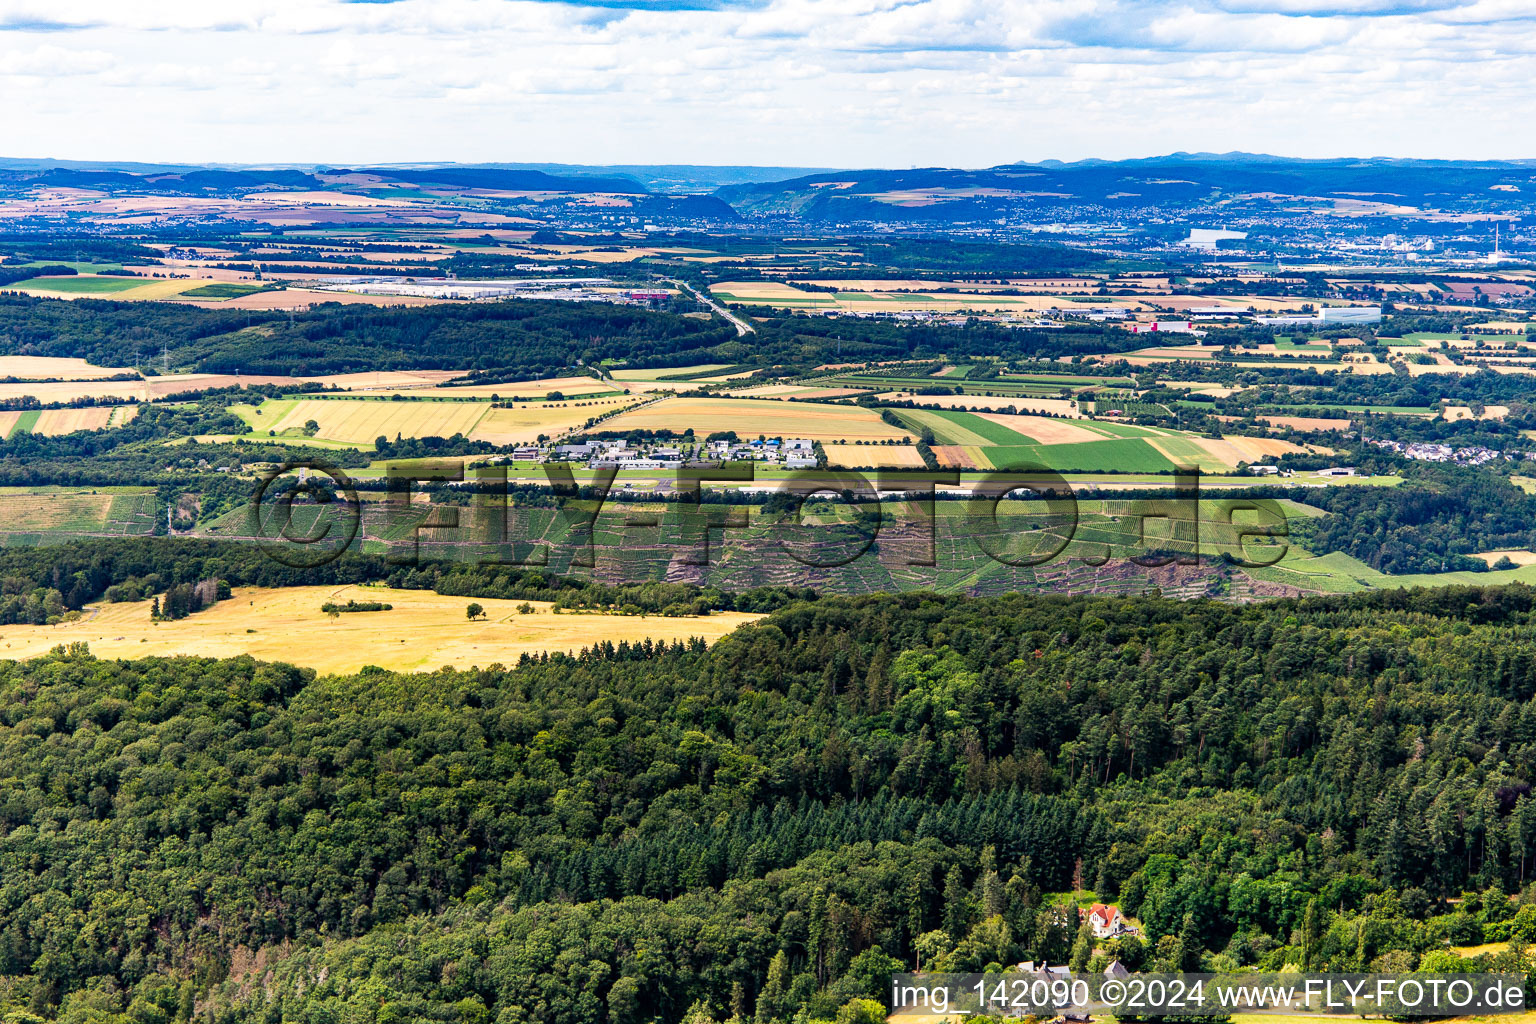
{"x": 843, "y": 82}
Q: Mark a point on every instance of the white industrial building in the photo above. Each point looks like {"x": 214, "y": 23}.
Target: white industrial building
{"x": 1166, "y": 327}
{"x": 1350, "y": 315}
{"x": 1327, "y": 315}
{"x": 454, "y": 288}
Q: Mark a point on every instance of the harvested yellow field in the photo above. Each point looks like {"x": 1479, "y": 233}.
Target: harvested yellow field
{"x": 1306, "y": 422}
{"x": 386, "y": 380}
{"x": 67, "y": 421}
{"x": 362, "y": 421}
{"x": 881, "y": 456}
{"x": 750, "y": 417}
{"x": 1513, "y": 554}
{"x": 26, "y": 513}
{"x": 8, "y": 422}
{"x": 719, "y": 377}
{"x": 68, "y": 391}
{"x": 1463, "y": 412}
{"x": 798, "y": 391}
{"x": 56, "y": 368}
{"x": 1044, "y": 429}
{"x": 962, "y": 456}
{"x": 422, "y": 632}
{"x": 523, "y": 423}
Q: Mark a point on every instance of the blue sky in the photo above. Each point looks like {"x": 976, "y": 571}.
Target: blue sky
{"x": 784, "y": 82}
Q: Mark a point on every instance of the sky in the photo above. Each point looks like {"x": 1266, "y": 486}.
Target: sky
{"x": 823, "y": 83}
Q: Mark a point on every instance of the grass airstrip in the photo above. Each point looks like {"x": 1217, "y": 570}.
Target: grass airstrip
{"x": 423, "y": 631}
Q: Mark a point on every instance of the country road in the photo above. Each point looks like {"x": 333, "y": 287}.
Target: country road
{"x": 742, "y": 327}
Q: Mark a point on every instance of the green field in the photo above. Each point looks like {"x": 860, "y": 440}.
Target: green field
{"x": 222, "y": 290}
{"x": 1338, "y": 573}
{"x": 82, "y": 285}
{"x": 75, "y": 265}
{"x": 1121, "y": 455}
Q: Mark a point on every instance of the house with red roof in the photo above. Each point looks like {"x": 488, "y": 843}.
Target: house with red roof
{"x": 1105, "y": 921}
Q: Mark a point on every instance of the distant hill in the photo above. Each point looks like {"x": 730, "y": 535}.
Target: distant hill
{"x": 674, "y": 178}
{"x": 191, "y": 182}
{"x": 226, "y": 181}
{"x": 948, "y": 194}
{"x": 505, "y": 180}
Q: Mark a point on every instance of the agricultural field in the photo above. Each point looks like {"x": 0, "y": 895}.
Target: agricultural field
{"x": 787, "y": 296}
{"x": 880, "y": 456}
{"x": 67, "y": 421}
{"x": 361, "y": 420}
{"x": 524, "y": 422}
{"x": 952, "y": 427}
{"x": 750, "y": 417}
{"x": 49, "y": 392}
{"x": 37, "y": 515}
{"x": 135, "y": 289}
{"x": 967, "y": 440}
{"x": 801, "y": 391}
{"x": 56, "y": 368}
{"x": 422, "y": 632}
{"x": 1053, "y": 406}
{"x": 80, "y": 285}
{"x": 223, "y": 290}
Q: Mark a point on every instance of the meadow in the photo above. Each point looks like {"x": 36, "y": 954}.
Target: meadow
{"x": 222, "y": 290}
{"x": 1338, "y": 573}
{"x": 422, "y": 632}
{"x": 81, "y": 285}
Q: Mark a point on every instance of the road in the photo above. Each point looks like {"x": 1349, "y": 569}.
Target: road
{"x": 742, "y": 327}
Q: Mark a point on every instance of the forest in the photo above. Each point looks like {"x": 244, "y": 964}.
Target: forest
{"x": 1434, "y": 522}
{"x": 511, "y": 340}
{"x": 763, "y": 829}
{"x": 513, "y": 337}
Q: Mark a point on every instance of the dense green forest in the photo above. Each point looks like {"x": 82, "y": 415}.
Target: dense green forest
{"x": 508, "y": 340}
{"x": 1434, "y": 522}
{"x": 763, "y": 829}
{"x": 513, "y": 338}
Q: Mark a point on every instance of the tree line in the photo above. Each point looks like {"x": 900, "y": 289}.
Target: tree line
{"x": 763, "y": 829}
